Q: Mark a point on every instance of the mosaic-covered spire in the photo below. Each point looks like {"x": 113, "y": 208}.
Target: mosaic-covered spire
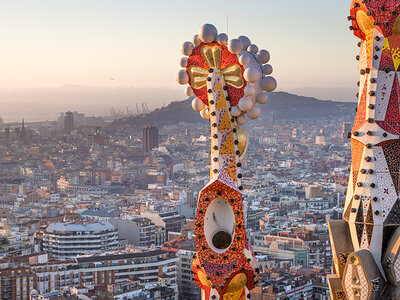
{"x": 366, "y": 243}
{"x": 229, "y": 79}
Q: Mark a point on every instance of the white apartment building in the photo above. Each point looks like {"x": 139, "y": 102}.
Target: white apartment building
{"x": 69, "y": 240}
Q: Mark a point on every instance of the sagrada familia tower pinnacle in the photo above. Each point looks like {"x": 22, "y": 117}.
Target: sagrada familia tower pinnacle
{"x": 230, "y": 80}
{"x": 366, "y": 243}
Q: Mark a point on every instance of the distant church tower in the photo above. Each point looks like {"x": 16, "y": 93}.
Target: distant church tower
{"x": 22, "y": 135}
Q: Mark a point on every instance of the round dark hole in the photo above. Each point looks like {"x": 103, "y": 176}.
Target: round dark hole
{"x": 221, "y": 240}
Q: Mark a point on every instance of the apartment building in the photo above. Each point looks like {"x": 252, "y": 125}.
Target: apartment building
{"x": 147, "y": 268}
{"x": 137, "y": 231}
{"x": 171, "y": 221}
{"x": 68, "y": 240}
{"x": 16, "y": 282}
{"x": 185, "y": 250}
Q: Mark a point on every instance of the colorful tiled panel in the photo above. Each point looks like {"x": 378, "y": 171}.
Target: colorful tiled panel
{"x": 372, "y": 209}
{"x": 229, "y": 79}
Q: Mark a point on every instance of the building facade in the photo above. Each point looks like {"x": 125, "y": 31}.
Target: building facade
{"x": 150, "y": 138}
{"x": 137, "y": 231}
{"x": 68, "y": 122}
{"x": 68, "y": 240}
{"x": 171, "y": 221}
{"x": 15, "y": 283}
{"x": 187, "y": 288}
{"x": 147, "y": 268}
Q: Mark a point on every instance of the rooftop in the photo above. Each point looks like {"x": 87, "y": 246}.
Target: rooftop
{"x": 97, "y": 258}
{"x": 75, "y": 227}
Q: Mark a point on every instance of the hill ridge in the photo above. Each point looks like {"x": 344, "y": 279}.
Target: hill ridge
{"x": 281, "y": 105}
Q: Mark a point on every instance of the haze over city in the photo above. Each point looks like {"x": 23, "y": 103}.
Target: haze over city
{"x": 73, "y": 54}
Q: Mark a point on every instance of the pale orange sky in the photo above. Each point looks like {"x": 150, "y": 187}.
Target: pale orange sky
{"x": 136, "y": 44}
{"x": 54, "y": 43}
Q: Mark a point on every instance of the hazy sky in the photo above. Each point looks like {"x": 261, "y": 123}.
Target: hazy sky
{"x": 132, "y": 43}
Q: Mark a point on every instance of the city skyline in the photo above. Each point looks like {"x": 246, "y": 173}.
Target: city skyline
{"x": 83, "y": 180}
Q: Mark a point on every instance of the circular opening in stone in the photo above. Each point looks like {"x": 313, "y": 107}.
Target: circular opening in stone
{"x": 222, "y": 240}
{"x": 219, "y": 225}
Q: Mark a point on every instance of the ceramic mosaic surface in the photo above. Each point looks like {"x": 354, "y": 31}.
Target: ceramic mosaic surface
{"x": 228, "y": 80}
{"x": 372, "y": 208}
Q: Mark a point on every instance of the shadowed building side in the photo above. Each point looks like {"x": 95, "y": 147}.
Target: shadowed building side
{"x": 150, "y": 138}
{"x": 68, "y": 122}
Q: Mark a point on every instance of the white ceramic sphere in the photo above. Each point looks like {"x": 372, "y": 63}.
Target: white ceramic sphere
{"x": 254, "y": 113}
{"x": 208, "y": 33}
{"x": 235, "y": 111}
{"x": 251, "y": 75}
{"x": 187, "y": 48}
{"x": 263, "y": 56}
{"x": 222, "y": 39}
{"x": 184, "y": 62}
{"x": 262, "y": 98}
{"x": 205, "y": 113}
{"x": 252, "y": 49}
{"x": 267, "y": 69}
{"x": 197, "y": 104}
{"x": 245, "y": 41}
{"x": 268, "y": 84}
{"x": 196, "y": 40}
{"x": 189, "y": 92}
{"x": 235, "y": 46}
{"x": 245, "y": 104}
{"x": 244, "y": 59}
{"x": 182, "y": 77}
{"x": 241, "y": 120}
{"x": 249, "y": 90}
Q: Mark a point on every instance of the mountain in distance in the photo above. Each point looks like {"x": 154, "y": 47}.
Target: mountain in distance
{"x": 281, "y": 105}
{"x": 286, "y": 106}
